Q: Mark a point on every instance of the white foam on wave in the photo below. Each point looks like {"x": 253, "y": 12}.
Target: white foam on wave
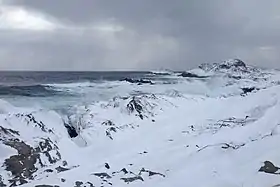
{"x": 71, "y": 85}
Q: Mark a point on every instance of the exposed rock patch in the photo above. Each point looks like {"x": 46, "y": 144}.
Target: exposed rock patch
{"x": 23, "y": 165}
{"x": 30, "y": 157}
{"x": 247, "y": 90}
{"x": 71, "y": 131}
{"x": 151, "y": 173}
{"x": 269, "y": 168}
{"x": 132, "y": 179}
{"x": 137, "y": 81}
{"x": 78, "y": 184}
{"x": 103, "y": 175}
{"x": 60, "y": 169}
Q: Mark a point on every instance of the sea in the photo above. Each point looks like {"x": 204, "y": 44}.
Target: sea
{"x": 60, "y": 91}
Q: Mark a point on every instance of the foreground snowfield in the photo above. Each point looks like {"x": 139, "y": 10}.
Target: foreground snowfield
{"x": 218, "y": 139}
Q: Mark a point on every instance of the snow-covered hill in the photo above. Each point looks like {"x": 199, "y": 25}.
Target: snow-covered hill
{"x": 225, "y": 135}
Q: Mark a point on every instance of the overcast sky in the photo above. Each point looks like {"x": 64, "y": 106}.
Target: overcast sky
{"x": 136, "y": 34}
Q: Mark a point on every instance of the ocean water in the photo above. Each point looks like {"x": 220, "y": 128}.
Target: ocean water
{"x": 63, "y": 90}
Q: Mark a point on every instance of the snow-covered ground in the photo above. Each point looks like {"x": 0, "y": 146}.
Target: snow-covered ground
{"x": 220, "y": 133}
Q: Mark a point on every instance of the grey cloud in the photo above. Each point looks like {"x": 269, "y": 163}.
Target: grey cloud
{"x": 175, "y": 34}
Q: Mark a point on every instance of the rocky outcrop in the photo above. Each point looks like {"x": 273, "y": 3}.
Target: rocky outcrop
{"x": 191, "y": 75}
{"x": 23, "y": 165}
{"x": 33, "y": 151}
{"x": 135, "y": 105}
{"x": 137, "y": 81}
{"x": 235, "y": 63}
{"x": 232, "y": 64}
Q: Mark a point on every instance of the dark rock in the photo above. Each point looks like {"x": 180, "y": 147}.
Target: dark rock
{"x": 108, "y": 133}
{"x": 124, "y": 171}
{"x": 137, "y": 81}
{"x": 49, "y": 170}
{"x": 248, "y": 90}
{"x": 135, "y": 105}
{"x": 22, "y": 166}
{"x": 236, "y": 63}
{"x": 269, "y": 167}
{"x": 191, "y": 75}
{"x": 8, "y": 131}
{"x": 160, "y": 73}
{"x": 107, "y": 166}
{"x": 239, "y": 63}
{"x": 64, "y": 163}
{"x": 78, "y": 184}
{"x": 108, "y": 123}
{"x": 232, "y": 146}
{"x": 151, "y": 173}
{"x": 144, "y": 152}
{"x": 1, "y": 182}
{"x": 71, "y": 131}
{"x": 60, "y": 169}
{"x": 63, "y": 180}
{"x": 109, "y": 130}
{"x": 141, "y": 116}
{"x": 113, "y": 129}
{"x": 36, "y": 123}
{"x": 103, "y": 175}
{"x": 132, "y": 179}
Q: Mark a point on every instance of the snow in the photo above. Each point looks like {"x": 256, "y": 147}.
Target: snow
{"x": 205, "y": 135}
{"x": 6, "y": 151}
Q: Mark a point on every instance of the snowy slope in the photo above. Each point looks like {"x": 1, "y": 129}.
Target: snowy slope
{"x": 220, "y": 137}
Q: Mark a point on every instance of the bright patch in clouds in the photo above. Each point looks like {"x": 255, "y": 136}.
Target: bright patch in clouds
{"x": 105, "y": 27}
{"x": 17, "y": 18}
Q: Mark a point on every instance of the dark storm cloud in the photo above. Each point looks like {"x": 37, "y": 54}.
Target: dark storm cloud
{"x": 128, "y": 34}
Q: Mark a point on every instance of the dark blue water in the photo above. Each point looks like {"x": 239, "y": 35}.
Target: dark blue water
{"x": 33, "y": 78}
{"x": 38, "y": 84}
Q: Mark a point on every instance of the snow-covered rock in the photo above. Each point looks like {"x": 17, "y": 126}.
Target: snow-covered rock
{"x": 226, "y": 137}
